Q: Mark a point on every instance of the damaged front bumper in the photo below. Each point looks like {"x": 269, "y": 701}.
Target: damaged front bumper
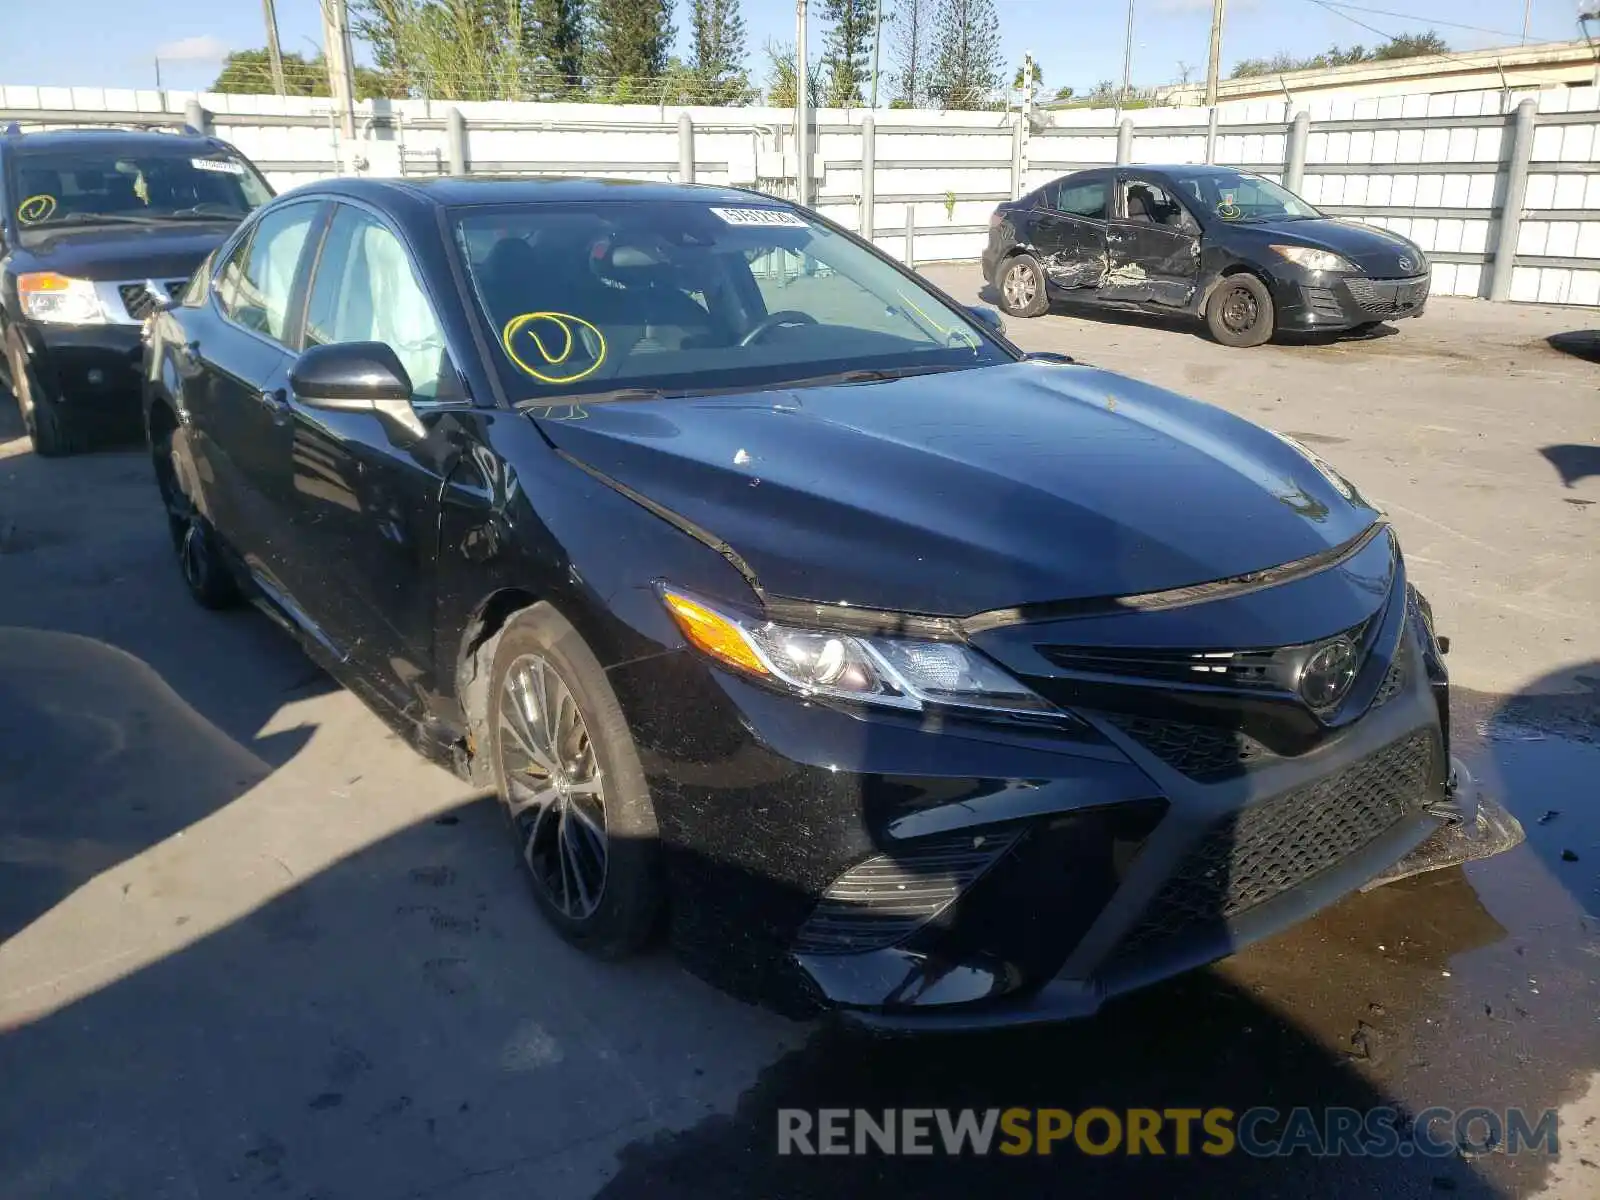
{"x": 1318, "y": 301}
{"x": 1473, "y": 825}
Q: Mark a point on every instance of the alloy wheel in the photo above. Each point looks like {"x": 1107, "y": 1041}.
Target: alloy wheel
{"x": 1019, "y": 287}
{"x": 553, "y": 787}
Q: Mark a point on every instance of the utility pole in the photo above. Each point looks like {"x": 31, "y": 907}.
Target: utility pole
{"x": 802, "y": 85}
{"x": 1527, "y": 15}
{"x": 274, "y": 54}
{"x": 341, "y": 76}
{"x": 1127, "y": 60}
{"x": 877, "y": 37}
{"x": 1214, "y": 66}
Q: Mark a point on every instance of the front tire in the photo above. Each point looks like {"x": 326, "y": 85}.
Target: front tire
{"x": 570, "y": 780}
{"x": 1240, "y": 311}
{"x": 53, "y": 432}
{"x": 1021, "y": 285}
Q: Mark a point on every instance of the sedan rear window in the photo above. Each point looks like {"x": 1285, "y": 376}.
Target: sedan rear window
{"x": 681, "y": 296}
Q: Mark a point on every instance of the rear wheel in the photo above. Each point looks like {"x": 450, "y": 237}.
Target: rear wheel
{"x": 1240, "y": 311}
{"x": 1022, "y": 286}
{"x": 573, "y": 787}
{"x": 206, "y": 572}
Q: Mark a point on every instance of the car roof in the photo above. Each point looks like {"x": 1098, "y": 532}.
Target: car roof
{"x": 131, "y": 140}
{"x": 467, "y": 190}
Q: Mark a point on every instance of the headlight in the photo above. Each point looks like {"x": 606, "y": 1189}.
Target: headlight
{"x": 894, "y": 672}
{"x": 53, "y": 298}
{"x": 1314, "y": 260}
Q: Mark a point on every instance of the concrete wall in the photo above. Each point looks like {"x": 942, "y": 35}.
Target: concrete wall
{"x": 1436, "y": 168}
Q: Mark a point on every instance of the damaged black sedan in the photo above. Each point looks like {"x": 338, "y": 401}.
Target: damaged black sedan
{"x": 1246, "y": 255}
{"x": 786, "y": 604}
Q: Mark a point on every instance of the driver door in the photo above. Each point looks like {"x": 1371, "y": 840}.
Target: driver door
{"x": 365, "y": 510}
{"x": 1153, "y": 246}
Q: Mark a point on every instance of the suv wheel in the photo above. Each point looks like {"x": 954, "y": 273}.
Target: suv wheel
{"x": 52, "y": 430}
{"x": 572, "y": 785}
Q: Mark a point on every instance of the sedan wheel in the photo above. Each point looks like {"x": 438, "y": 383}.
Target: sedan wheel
{"x": 205, "y": 572}
{"x": 1240, "y": 311}
{"x": 571, "y": 783}
{"x": 555, "y": 793}
{"x": 1022, "y": 287}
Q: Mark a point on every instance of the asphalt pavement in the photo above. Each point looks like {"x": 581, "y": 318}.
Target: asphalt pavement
{"x": 250, "y": 945}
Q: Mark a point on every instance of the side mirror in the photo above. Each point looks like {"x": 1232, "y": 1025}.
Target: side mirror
{"x": 160, "y": 299}
{"x": 988, "y": 316}
{"x": 359, "y": 377}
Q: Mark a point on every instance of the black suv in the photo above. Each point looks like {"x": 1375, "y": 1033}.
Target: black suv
{"x": 96, "y": 228}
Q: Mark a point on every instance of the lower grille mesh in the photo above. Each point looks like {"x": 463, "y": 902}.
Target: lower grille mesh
{"x": 1206, "y": 753}
{"x": 1261, "y": 852}
{"x": 886, "y": 898}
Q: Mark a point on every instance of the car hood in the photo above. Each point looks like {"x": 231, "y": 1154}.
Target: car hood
{"x": 117, "y": 252}
{"x": 973, "y": 490}
{"x": 1376, "y": 251}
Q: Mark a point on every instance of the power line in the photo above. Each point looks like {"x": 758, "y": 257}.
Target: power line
{"x": 1388, "y": 37}
{"x": 1383, "y": 12}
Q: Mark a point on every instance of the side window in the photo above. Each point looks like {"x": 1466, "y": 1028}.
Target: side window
{"x": 258, "y": 281}
{"x": 1150, "y": 204}
{"x": 1083, "y": 200}
{"x": 365, "y": 291}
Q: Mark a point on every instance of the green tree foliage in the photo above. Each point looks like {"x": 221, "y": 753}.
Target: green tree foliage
{"x": 556, "y": 41}
{"x": 847, "y": 46}
{"x": 911, "y": 52}
{"x": 781, "y": 77}
{"x": 1038, "y": 76}
{"x": 717, "y": 56}
{"x": 967, "y": 62}
{"x": 451, "y": 49}
{"x": 249, "y": 73}
{"x": 631, "y": 40}
{"x": 1407, "y": 45}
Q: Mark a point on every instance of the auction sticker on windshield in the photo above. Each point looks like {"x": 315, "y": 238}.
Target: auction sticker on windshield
{"x": 225, "y": 165}
{"x": 759, "y": 216}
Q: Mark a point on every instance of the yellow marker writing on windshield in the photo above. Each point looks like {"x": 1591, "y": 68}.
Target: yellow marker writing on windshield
{"x": 36, "y": 208}
{"x": 535, "y": 322}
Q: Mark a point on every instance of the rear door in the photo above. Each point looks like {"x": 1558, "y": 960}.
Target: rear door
{"x": 1153, "y": 245}
{"x": 238, "y": 401}
{"x": 1070, "y": 230}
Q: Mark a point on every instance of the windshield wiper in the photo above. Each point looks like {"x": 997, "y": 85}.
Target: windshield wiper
{"x": 871, "y": 375}
{"x": 577, "y": 401}
{"x": 92, "y": 219}
{"x": 194, "y": 214}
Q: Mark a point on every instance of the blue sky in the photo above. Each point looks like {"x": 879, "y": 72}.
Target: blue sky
{"x": 113, "y": 43}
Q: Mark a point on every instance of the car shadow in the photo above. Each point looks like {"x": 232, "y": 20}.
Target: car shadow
{"x": 1573, "y": 462}
{"x": 1583, "y": 343}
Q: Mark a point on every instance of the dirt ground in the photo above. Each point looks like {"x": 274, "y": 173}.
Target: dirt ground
{"x": 251, "y": 946}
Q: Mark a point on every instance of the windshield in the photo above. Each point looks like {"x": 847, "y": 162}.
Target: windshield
{"x": 1240, "y": 197}
{"x": 691, "y": 297}
{"x": 72, "y": 187}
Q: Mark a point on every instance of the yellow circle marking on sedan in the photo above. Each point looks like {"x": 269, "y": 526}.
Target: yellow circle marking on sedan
{"x": 563, "y": 322}
{"x": 36, "y": 208}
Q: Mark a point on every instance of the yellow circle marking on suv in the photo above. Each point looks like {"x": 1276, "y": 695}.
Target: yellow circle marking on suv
{"x": 36, "y": 208}
{"x": 547, "y": 355}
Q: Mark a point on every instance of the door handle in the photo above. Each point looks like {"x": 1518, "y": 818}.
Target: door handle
{"x": 277, "y": 402}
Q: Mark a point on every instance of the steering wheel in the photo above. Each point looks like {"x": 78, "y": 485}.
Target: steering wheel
{"x": 775, "y": 321}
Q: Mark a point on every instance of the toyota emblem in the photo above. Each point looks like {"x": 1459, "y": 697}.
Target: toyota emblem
{"x": 1328, "y": 673}
{"x": 1405, "y": 263}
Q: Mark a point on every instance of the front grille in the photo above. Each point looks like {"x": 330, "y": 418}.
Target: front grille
{"x": 1227, "y": 668}
{"x": 886, "y": 898}
{"x": 1388, "y": 296}
{"x": 1260, "y": 852}
{"x": 138, "y": 301}
{"x": 1206, "y": 753}
{"x": 1395, "y": 678}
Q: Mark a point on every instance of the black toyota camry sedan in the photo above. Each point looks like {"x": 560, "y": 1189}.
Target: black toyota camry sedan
{"x": 786, "y": 604}
{"x": 1246, "y": 255}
